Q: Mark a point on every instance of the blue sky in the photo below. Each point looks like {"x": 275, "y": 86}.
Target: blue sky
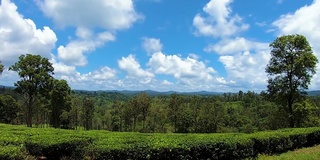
{"x": 163, "y": 45}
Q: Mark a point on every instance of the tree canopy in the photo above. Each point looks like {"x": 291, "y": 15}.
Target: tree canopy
{"x": 290, "y": 70}
{"x": 35, "y": 73}
{"x": 8, "y": 108}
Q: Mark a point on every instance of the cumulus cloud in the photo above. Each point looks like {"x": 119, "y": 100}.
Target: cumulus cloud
{"x": 74, "y": 52}
{"x": 244, "y": 61}
{"x": 305, "y": 21}
{"x": 61, "y": 68}
{"x": 20, "y": 36}
{"x": 86, "y": 16}
{"x": 109, "y": 15}
{"x": 236, "y": 45}
{"x": 186, "y": 70}
{"x": 247, "y": 69}
{"x": 132, "y": 67}
{"x": 218, "y": 21}
{"x": 151, "y": 45}
{"x": 103, "y": 78}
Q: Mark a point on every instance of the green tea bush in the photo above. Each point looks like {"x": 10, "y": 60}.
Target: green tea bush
{"x": 18, "y": 142}
{"x": 176, "y": 146}
{"x": 271, "y": 142}
{"x": 57, "y": 146}
{"x": 10, "y": 152}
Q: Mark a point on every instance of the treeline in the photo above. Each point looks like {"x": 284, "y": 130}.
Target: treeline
{"x": 229, "y": 112}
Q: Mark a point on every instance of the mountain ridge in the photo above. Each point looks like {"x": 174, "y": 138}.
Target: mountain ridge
{"x": 164, "y": 93}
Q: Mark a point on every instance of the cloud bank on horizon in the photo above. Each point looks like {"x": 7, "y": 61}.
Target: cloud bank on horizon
{"x": 162, "y": 45}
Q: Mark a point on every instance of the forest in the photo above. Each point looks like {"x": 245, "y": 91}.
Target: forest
{"x": 40, "y": 100}
{"x": 228, "y": 112}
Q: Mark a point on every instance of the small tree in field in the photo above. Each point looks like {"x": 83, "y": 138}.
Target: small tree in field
{"x": 290, "y": 70}
{"x": 35, "y": 73}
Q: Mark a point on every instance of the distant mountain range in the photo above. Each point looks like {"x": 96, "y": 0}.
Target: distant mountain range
{"x": 154, "y": 93}
{"x": 158, "y": 93}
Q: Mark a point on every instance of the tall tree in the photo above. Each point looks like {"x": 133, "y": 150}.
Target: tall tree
{"x": 144, "y": 102}
{"x": 60, "y": 101}
{"x": 88, "y": 111}
{"x": 134, "y": 109}
{"x": 174, "y": 109}
{"x": 290, "y": 70}
{"x": 116, "y": 113}
{"x": 35, "y": 73}
{"x": 76, "y": 105}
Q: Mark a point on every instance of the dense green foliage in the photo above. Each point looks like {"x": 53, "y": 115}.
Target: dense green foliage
{"x": 88, "y": 109}
{"x": 18, "y": 142}
{"x": 60, "y": 103}
{"x": 243, "y": 112}
{"x": 290, "y": 70}
{"x": 35, "y": 73}
{"x": 8, "y": 109}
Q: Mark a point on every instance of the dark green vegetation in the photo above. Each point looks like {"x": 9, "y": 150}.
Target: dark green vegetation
{"x": 19, "y": 142}
{"x": 290, "y": 70}
{"x": 240, "y": 112}
{"x": 35, "y": 73}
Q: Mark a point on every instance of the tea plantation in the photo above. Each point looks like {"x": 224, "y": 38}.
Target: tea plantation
{"x": 19, "y": 142}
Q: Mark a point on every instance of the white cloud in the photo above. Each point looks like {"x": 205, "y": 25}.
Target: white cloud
{"x": 304, "y": 21}
{"x": 132, "y": 67}
{"x": 20, "y": 36}
{"x": 105, "y": 14}
{"x": 244, "y": 61}
{"x": 219, "y": 22}
{"x": 221, "y": 80}
{"x": 166, "y": 82}
{"x": 8, "y": 78}
{"x": 235, "y": 46}
{"x": 186, "y": 70}
{"x": 151, "y": 45}
{"x": 101, "y": 79}
{"x": 86, "y": 16}
{"x": 247, "y": 69}
{"x": 61, "y": 68}
{"x": 74, "y": 52}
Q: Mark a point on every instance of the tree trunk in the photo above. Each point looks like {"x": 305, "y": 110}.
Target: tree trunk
{"x": 120, "y": 123}
{"x": 143, "y": 123}
{"x": 134, "y": 124}
{"x": 29, "y": 112}
{"x": 291, "y": 118}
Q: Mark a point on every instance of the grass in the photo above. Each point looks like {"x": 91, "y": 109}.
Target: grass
{"x": 311, "y": 153}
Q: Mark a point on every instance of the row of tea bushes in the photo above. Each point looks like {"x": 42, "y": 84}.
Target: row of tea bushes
{"x": 17, "y": 142}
